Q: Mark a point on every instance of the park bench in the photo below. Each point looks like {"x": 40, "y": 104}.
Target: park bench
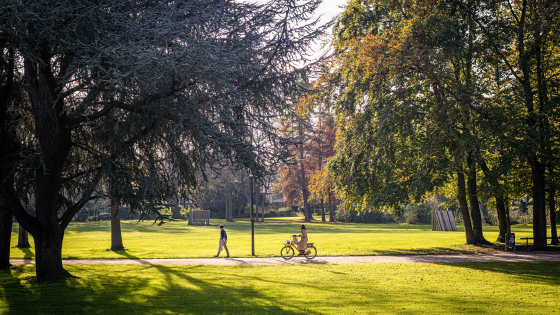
{"x": 531, "y": 238}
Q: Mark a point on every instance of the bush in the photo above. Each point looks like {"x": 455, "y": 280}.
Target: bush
{"x": 184, "y": 212}
{"x": 272, "y": 212}
{"x": 519, "y": 217}
{"x": 363, "y": 216}
{"x": 341, "y": 215}
{"x": 417, "y": 213}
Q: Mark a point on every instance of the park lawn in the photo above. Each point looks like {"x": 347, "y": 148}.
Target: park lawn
{"x": 459, "y": 288}
{"x": 176, "y": 239}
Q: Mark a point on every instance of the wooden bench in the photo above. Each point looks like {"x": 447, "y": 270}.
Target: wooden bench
{"x": 531, "y": 238}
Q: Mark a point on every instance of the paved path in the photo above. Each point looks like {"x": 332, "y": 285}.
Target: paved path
{"x": 497, "y": 257}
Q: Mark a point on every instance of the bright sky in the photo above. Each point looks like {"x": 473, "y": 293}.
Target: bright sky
{"x": 328, "y": 9}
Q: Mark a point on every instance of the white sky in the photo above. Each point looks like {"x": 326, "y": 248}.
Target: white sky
{"x": 330, "y": 8}
{"x": 327, "y": 10}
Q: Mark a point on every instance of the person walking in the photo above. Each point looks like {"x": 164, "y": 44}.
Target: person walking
{"x": 223, "y": 241}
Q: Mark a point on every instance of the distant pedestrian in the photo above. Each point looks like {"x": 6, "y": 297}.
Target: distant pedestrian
{"x": 223, "y": 241}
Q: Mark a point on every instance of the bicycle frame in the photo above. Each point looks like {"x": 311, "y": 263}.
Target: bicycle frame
{"x": 296, "y": 249}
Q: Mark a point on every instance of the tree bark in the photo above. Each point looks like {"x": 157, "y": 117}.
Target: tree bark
{"x": 257, "y": 194}
{"x": 501, "y": 201}
{"x": 116, "y": 234}
{"x": 23, "y": 239}
{"x": 304, "y": 192}
{"x": 229, "y": 205}
{"x": 263, "y": 203}
{"x": 7, "y": 148}
{"x": 539, "y": 212}
{"x": 461, "y": 197}
{"x": 331, "y": 210}
{"x": 5, "y": 235}
{"x": 552, "y": 210}
{"x": 473, "y": 201}
{"x": 48, "y": 253}
{"x": 322, "y": 210}
{"x": 502, "y": 218}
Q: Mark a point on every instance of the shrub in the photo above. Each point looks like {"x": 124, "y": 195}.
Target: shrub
{"x": 520, "y": 217}
{"x": 341, "y": 214}
{"x": 363, "y": 216}
{"x": 417, "y": 213}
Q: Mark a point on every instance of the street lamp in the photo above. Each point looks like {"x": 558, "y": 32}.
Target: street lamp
{"x": 252, "y": 218}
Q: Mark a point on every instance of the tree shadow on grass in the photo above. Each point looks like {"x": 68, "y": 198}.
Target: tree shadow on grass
{"x": 150, "y": 289}
{"x": 134, "y": 290}
{"x": 541, "y": 272}
{"x": 27, "y": 253}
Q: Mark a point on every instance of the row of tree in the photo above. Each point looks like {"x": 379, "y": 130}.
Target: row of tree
{"x": 449, "y": 90}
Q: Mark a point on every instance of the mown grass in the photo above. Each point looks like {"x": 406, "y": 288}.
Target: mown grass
{"x": 460, "y": 288}
{"x": 176, "y": 239}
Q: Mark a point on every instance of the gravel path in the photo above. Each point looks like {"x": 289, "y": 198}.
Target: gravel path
{"x": 497, "y": 257}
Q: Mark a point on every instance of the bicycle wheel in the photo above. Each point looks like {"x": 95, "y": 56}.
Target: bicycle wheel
{"x": 312, "y": 252}
{"x": 287, "y": 252}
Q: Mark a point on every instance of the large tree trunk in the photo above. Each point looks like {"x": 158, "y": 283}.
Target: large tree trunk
{"x": 5, "y": 235}
{"x": 552, "y": 209}
{"x": 462, "y": 198}
{"x": 7, "y": 148}
{"x": 48, "y": 254}
{"x": 502, "y": 218}
{"x": 473, "y": 201}
{"x": 503, "y": 222}
{"x": 116, "y": 234}
{"x": 23, "y": 238}
{"x": 539, "y": 212}
{"x": 322, "y": 210}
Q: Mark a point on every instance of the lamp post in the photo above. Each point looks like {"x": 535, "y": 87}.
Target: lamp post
{"x": 252, "y": 219}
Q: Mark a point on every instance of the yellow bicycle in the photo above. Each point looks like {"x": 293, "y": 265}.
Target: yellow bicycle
{"x": 289, "y": 250}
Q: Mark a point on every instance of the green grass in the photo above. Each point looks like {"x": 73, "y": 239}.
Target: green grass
{"x": 461, "y": 288}
{"x": 176, "y": 239}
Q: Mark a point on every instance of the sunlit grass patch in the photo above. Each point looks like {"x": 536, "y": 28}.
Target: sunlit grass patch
{"x": 176, "y": 239}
